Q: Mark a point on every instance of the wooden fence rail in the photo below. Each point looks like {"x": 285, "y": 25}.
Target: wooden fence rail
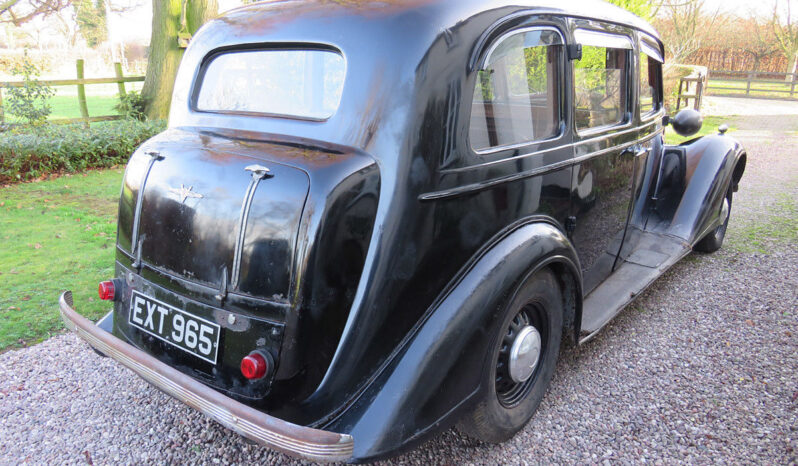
{"x": 81, "y": 83}
{"x": 780, "y": 83}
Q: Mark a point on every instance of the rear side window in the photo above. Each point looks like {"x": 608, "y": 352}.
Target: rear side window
{"x": 305, "y": 84}
{"x": 600, "y": 79}
{"x": 516, "y": 96}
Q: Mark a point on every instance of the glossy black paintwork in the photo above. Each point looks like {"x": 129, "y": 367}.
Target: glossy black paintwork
{"x": 384, "y": 246}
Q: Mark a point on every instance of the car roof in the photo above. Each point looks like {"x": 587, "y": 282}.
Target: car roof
{"x": 451, "y": 11}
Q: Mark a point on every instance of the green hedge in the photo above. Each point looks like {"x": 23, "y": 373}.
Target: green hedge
{"x": 28, "y": 153}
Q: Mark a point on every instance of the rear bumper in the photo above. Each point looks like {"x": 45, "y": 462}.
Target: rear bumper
{"x": 305, "y": 442}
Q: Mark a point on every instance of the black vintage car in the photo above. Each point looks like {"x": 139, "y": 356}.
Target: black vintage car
{"x": 371, "y": 220}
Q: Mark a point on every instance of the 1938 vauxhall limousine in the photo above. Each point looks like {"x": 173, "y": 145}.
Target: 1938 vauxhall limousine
{"x": 368, "y": 221}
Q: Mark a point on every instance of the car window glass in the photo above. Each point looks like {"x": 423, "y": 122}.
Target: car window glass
{"x": 600, "y": 79}
{"x": 516, "y": 96}
{"x": 298, "y": 83}
{"x": 650, "y": 73}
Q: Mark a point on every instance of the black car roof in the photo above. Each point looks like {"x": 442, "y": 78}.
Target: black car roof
{"x": 450, "y": 11}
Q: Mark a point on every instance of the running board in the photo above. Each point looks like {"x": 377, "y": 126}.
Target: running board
{"x": 654, "y": 255}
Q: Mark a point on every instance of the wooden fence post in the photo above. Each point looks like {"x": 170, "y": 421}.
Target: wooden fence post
{"x": 748, "y": 86}
{"x": 792, "y": 91}
{"x": 84, "y": 108}
{"x": 2, "y": 113}
{"x": 120, "y": 84}
{"x": 699, "y": 92}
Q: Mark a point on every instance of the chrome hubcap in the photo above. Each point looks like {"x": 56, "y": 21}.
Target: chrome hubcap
{"x": 724, "y": 211}
{"x": 524, "y": 354}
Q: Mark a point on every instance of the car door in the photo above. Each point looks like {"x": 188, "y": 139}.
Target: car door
{"x": 649, "y": 109}
{"x": 604, "y": 148}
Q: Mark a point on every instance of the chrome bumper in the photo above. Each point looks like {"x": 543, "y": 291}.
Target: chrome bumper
{"x": 305, "y": 442}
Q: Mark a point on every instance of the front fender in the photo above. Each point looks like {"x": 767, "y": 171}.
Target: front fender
{"x": 712, "y": 164}
{"x": 436, "y": 370}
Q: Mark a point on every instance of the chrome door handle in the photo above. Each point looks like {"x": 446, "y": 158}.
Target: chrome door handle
{"x": 636, "y": 151}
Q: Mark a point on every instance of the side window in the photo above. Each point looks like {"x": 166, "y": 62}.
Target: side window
{"x": 650, "y": 80}
{"x": 600, "y": 79}
{"x": 516, "y": 96}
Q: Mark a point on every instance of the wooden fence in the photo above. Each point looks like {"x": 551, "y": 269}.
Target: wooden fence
{"x": 698, "y": 83}
{"x": 753, "y": 83}
{"x": 81, "y": 83}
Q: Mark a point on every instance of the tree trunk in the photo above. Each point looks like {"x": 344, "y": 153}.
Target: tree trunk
{"x": 164, "y": 54}
{"x": 793, "y": 68}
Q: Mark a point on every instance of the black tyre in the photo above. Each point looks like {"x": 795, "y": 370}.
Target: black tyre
{"x": 515, "y": 389}
{"x": 714, "y": 239}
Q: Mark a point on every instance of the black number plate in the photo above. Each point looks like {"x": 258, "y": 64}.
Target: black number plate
{"x": 175, "y": 326}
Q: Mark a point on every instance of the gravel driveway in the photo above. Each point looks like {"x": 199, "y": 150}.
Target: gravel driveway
{"x": 700, "y": 369}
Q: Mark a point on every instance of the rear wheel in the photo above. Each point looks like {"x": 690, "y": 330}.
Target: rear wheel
{"x": 714, "y": 239}
{"x": 523, "y": 354}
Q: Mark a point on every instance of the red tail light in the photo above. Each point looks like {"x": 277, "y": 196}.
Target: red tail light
{"x": 254, "y": 365}
{"x": 107, "y": 290}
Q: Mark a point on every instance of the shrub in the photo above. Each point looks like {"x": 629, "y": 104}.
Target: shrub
{"x": 131, "y": 105}
{"x": 27, "y": 153}
{"x": 29, "y": 102}
{"x": 43, "y": 60}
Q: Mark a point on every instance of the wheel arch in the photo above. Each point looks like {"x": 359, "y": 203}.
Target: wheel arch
{"x": 432, "y": 378}
{"x": 713, "y": 164}
{"x": 739, "y": 169}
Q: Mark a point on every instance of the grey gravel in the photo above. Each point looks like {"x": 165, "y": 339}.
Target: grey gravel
{"x": 700, "y": 369}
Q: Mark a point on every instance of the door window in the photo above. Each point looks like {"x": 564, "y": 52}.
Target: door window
{"x": 600, "y": 79}
{"x": 516, "y": 96}
{"x": 650, "y": 80}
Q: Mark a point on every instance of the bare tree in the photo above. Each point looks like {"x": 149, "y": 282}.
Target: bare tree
{"x": 760, "y": 41}
{"x": 684, "y": 25}
{"x": 786, "y": 34}
{"x": 18, "y": 12}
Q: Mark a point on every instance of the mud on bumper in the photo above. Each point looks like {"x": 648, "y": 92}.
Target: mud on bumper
{"x": 304, "y": 442}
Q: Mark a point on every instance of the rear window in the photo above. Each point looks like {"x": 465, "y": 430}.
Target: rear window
{"x": 303, "y": 84}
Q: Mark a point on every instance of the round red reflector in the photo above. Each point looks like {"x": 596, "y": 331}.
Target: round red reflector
{"x": 254, "y": 365}
{"x": 106, "y": 290}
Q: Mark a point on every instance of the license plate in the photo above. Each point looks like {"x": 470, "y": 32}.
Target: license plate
{"x": 188, "y": 332}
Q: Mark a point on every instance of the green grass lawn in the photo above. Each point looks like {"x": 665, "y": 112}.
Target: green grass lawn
{"x": 710, "y": 126}
{"x": 100, "y": 100}
{"x": 66, "y": 106}
{"x": 55, "y": 235}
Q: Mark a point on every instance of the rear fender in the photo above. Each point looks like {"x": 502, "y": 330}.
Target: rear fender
{"x": 711, "y": 165}
{"x": 436, "y": 371}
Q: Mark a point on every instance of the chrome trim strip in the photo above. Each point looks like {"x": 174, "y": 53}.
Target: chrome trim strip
{"x": 134, "y": 243}
{"x": 514, "y": 32}
{"x": 600, "y": 38}
{"x": 550, "y": 149}
{"x": 653, "y": 115}
{"x": 306, "y": 442}
{"x": 474, "y": 187}
{"x": 258, "y": 173}
{"x": 649, "y": 49}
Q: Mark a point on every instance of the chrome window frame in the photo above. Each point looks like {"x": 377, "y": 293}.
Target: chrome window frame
{"x": 646, "y": 48}
{"x": 600, "y": 35}
{"x": 560, "y": 132}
